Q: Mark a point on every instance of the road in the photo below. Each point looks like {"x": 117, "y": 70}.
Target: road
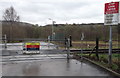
{"x": 48, "y": 64}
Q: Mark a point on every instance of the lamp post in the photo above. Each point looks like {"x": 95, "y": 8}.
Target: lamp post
{"x": 53, "y": 33}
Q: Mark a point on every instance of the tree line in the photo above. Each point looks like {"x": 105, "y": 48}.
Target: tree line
{"x": 26, "y": 30}
{"x": 13, "y": 28}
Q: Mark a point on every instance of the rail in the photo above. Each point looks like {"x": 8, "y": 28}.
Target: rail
{"x": 99, "y": 51}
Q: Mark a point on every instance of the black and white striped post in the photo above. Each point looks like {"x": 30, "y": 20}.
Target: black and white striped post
{"x": 68, "y": 48}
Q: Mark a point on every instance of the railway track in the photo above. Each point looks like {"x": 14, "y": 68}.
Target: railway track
{"x": 99, "y": 51}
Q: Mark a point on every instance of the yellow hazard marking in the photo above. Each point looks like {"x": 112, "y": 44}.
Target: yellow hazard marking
{"x": 32, "y": 43}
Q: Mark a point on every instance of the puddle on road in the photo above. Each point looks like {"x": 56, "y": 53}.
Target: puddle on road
{"x": 30, "y": 69}
{"x": 54, "y": 67}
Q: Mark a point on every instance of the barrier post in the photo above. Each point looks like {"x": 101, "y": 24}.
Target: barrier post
{"x": 5, "y": 41}
{"x": 68, "y": 48}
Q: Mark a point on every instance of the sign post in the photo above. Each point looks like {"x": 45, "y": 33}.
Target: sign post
{"x": 111, "y": 18}
{"x": 110, "y": 47}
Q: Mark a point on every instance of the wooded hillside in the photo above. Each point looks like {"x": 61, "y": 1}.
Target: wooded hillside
{"x": 26, "y": 30}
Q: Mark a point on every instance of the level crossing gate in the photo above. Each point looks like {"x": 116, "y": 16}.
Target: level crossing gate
{"x": 29, "y": 47}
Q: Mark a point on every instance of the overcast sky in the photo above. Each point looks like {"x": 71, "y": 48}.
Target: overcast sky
{"x": 61, "y": 11}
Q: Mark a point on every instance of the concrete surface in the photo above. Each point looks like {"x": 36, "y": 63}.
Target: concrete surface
{"x": 51, "y": 67}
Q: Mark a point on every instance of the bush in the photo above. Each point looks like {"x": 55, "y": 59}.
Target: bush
{"x": 114, "y": 67}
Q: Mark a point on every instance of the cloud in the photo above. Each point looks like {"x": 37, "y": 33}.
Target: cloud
{"x": 62, "y": 11}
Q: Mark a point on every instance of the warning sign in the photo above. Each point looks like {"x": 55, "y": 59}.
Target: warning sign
{"x": 31, "y": 47}
{"x": 111, "y": 13}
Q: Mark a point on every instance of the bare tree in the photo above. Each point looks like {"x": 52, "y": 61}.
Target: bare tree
{"x": 10, "y": 15}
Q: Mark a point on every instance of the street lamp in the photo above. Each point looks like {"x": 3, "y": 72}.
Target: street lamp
{"x": 53, "y": 33}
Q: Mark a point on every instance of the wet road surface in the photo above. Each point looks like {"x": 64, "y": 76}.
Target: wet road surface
{"x": 47, "y": 63}
{"x": 50, "y": 66}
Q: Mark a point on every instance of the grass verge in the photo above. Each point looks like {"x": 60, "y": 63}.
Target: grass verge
{"x": 103, "y": 60}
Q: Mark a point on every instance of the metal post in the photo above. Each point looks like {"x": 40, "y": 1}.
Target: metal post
{"x": 82, "y": 51}
{"x": 48, "y": 41}
{"x": 82, "y": 38}
{"x": 110, "y": 47}
{"x": 97, "y": 47}
{"x": 70, "y": 41}
{"x": 65, "y": 43}
{"x": 53, "y": 29}
{"x": 5, "y": 41}
{"x": 68, "y": 48}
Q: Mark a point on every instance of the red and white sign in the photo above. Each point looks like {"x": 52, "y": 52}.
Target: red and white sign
{"x": 112, "y": 8}
{"x": 112, "y": 13}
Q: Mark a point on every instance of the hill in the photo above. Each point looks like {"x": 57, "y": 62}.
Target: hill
{"x": 26, "y": 30}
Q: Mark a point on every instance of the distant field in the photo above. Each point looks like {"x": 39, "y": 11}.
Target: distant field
{"x": 91, "y": 44}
